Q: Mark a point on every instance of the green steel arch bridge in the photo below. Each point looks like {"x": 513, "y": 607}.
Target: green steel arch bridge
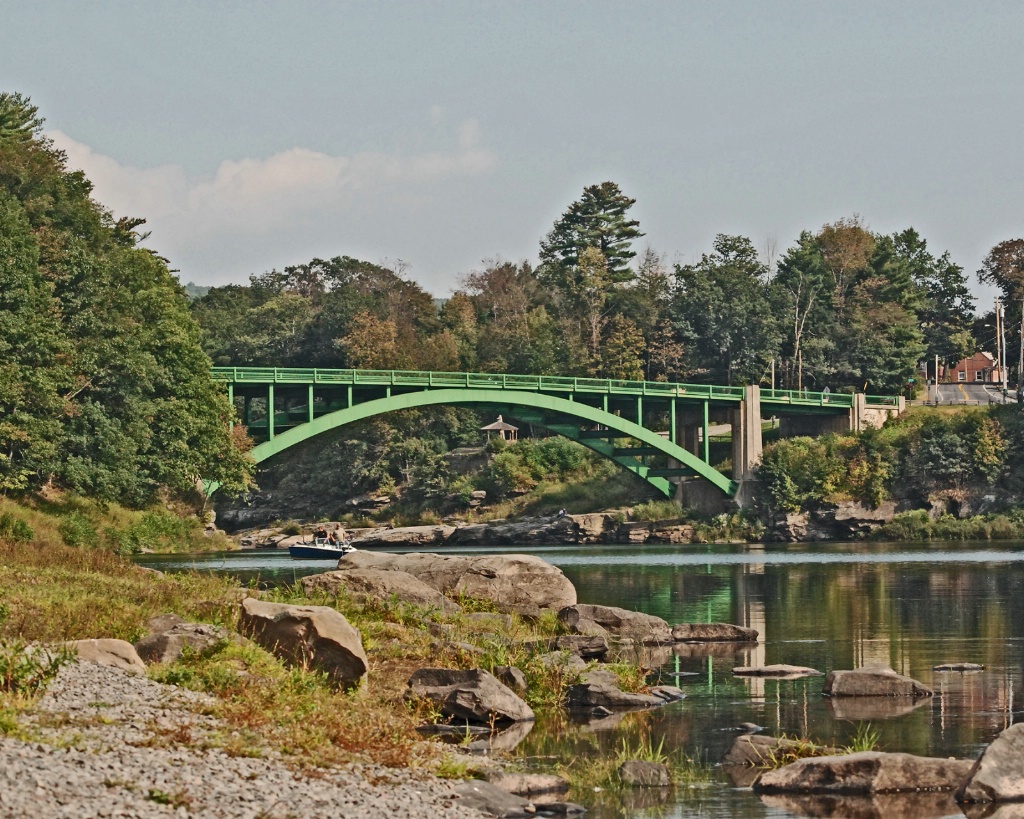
{"x": 657, "y": 430}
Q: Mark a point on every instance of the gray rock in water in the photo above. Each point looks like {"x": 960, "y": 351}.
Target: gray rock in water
{"x": 669, "y": 693}
{"x": 753, "y": 749}
{"x": 473, "y": 696}
{"x": 998, "y": 775}
{"x": 642, "y": 774}
{"x": 315, "y": 636}
{"x": 778, "y": 670}
{"x": 593, "y": 620}
{"x": 873, "y": 681}
{"x": 169, "y": 645}
{"x": 865, "y": 773}
{"x": 958, "y": 667}
{"x": 600, "y": 687}
{"x": 712, "y": 633}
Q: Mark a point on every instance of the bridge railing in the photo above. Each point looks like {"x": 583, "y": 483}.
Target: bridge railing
{"x": 804, "y": 398}
{"x": 422, "y": 378}
{"x": 540, "y": 383}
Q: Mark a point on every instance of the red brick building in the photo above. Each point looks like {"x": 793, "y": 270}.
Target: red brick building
{"x": 980, "y": 367}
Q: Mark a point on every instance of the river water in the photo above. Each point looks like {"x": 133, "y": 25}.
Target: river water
{"x": 828, "y": 606}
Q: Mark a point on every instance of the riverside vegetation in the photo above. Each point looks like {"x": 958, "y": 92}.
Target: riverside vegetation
{"x": 51, "y": 591}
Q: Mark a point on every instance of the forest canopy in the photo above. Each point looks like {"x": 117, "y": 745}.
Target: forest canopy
{"x": 104, "y": 386}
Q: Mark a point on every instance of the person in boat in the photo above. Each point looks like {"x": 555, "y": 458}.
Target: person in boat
{"x": 320, "y": 533}
{"x": 337, "y": 536}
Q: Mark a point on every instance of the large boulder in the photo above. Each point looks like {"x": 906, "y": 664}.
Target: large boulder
{"x": 873, "y": 681}
{"x": 310, "y": 636}
{"x": 865, "y": 773}
{"x": 375, "y": 584}
{"x": 115, "y": 653}
{"x": 998, "y": 775}
{"x": 619, "y": 623}
{"x": 473, "y": 696}
{"x": 517, "y": 583}
{"x": 713, "y": 633}
{"x": 168, "y": 644}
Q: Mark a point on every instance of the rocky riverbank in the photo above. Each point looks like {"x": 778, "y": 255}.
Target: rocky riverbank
{"x": 104, "y": 742}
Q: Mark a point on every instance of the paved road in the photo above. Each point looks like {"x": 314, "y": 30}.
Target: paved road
{"x": 969, "y": 393}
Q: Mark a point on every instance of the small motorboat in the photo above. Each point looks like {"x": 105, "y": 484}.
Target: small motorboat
{"x": 321, "y": 549}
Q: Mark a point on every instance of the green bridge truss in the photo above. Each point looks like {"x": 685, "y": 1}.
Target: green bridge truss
{"x": 283, "y": 407}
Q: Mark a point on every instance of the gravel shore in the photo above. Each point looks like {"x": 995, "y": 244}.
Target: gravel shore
{"x": 110, "y": 744}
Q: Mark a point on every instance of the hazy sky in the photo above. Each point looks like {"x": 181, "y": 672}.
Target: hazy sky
{"x": 256, "y": 135}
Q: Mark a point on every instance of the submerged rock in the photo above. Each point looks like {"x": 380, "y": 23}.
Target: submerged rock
{"x": 713, "y": 633}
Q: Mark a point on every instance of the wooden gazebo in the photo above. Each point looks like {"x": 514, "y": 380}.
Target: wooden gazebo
{"x": 505, "y": 430}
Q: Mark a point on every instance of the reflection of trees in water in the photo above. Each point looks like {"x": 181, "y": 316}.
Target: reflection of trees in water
{"x": 911, "y": 616}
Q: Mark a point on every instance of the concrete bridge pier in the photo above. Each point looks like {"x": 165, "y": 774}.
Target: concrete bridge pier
{"x": 746, "y": 434}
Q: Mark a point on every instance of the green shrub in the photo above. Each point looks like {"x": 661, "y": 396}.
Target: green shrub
{"x": 15, "y": 529}
{"x": 78, "y": 531}
{"x": 27, "y": 670}
{"x": 658, "y": 510}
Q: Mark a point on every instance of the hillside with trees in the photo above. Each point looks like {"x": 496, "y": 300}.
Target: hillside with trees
{"x": 104, "y": 386}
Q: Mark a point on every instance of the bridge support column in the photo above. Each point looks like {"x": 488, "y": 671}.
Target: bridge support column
{"x": 270, "y": 412}
{"x": 746, "y": 434}
{"x": 690, "y": 423}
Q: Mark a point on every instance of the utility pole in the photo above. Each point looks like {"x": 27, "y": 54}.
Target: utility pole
{"x": 1001, "y": 346}
{"x": 1020, "y": 365}
{"x": 936, "y": 379}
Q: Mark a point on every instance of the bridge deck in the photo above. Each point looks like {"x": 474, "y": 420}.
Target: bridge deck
{"x": 540, "y": 383}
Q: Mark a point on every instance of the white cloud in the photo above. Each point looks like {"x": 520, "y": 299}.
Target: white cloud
{"x": 266, "y": 198}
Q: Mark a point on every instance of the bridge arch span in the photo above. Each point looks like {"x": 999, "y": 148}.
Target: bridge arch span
{"x": 573, "y": 413}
